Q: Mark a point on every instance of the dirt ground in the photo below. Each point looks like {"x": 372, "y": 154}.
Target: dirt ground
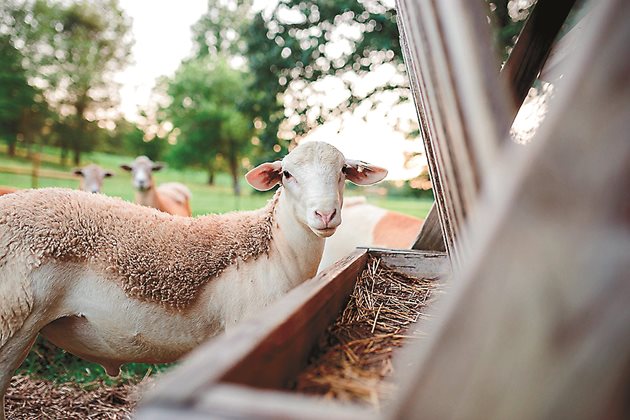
{"x": 40, "y": 399}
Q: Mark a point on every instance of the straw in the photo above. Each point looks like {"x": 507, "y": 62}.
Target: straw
{"x": 354, "y": 361}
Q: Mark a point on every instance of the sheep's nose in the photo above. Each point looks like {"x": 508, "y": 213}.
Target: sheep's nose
{"x": 326, "y": 216}
{"x": 94, "y": 191}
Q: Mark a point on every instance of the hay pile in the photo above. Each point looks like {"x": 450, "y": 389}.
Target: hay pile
{"x": 29, "y": 398}
{"x": 354, "y": 359}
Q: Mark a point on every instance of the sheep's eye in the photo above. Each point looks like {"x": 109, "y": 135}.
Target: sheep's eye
{"x": 287, "y": 175}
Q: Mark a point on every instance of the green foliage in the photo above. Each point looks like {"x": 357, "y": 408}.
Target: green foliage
{"x": 17, "y": 97}
{"x": 508, "y": 18}
{"x": 218, "y": 31}
{"x": 205, "y": 110}
{"x": 133, "y": 141}
{"x": 306, "y": 41}
{"x": 71, "y": 51}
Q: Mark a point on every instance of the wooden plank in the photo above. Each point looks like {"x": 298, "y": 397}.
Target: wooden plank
{"x": 532, "y": 48}
{"x": 562, "y": 50}
{"x": 461, "y": 108}
{"x": 169, "y": 412}
{"x": 232, "y": 401}
{"x": 270, "y": 350}
{"x": 430, "y": 237}
{"x": 539, "y": 326}
{"x": 240, "y": 402}
{"x": 426, "y": 264}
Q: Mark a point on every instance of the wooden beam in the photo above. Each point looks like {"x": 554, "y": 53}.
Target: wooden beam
{"x": 420, "y": 264}
{"x": 430, "y": 237}
{"x": 231, "y": 401}
{"x": 270, "y": 350}
{"x": 461, "y": 108}
{"x": 228, "y": 401}
{"x": 538, "y": 325}
{"x": 532, "y": 48}
{"x": 562, "y": 50}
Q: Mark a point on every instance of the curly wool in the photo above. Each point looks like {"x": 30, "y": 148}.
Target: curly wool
{"x": 153, "y": 256}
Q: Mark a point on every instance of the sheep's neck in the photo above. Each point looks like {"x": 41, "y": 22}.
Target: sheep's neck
{"x": 148, "y": 198}
{"x": 299, "y": 249}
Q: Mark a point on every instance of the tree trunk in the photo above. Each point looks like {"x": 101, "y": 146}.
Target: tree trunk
{"x": 76, "y": 157}
{"x": 236, "y": 186}
{"x": 63, "y": 157}
{"x": 210, "y": 176}
{"x": 11, "y": 148}
{"x": 81, "y": 131}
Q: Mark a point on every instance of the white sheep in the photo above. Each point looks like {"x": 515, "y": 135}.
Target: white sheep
{"x": 92, "y": 177}
{"x": 368, "y": 225}
{"x": 170, "y": 197}
{"x": 113, "y": 282}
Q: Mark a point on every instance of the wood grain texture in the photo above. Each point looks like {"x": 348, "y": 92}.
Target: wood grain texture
{"x": 420, "y": 264}
{"x": 232, "y": 401}
{"x": 538, "y": 324}
{"x": 227, "y": 401}
{"x": 462, "y": 106}
{"x": 430, "y": 237}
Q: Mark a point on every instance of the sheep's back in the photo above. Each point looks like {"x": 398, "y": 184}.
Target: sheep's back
{"x": 152, "y": 255}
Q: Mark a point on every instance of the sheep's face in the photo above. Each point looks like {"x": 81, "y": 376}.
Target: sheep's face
{"x": 313, "y": 176}
{"x": 141, "y": 172}
{"x": 92, "y": 177}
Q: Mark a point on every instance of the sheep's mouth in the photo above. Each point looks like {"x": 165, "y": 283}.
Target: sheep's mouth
{"x": 325, "y": 232}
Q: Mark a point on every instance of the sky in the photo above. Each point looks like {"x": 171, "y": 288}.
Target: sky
{"x": 163, "y": 38}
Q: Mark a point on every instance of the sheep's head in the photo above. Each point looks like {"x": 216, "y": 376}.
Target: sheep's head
{"x": 92, "y": 177}
{"x": 313, "y": 176}
{"x": 141, "y": 172}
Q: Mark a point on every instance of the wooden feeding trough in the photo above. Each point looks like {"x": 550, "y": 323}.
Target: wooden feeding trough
{"x": 269, "y": 353}
{"x": 535, "y": 321}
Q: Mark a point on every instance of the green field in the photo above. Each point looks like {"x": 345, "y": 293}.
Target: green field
{"x": 206, "y": 199}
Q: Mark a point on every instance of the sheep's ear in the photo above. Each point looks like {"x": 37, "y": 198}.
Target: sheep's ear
{"x": 265, "y": 176}
{"x": 362, "y": 173}
{"x": 157, "y": 166}
{"x": 78, "y": 171}
{"x": 108, "y": 174}
{"x": 126, "y": 167}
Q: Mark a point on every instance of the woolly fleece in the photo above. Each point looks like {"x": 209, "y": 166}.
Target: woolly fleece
{"x": 152, "y": 255}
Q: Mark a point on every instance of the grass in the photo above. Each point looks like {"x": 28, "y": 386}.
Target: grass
{"x": 206, "y": 199}
{"x": 49, "y": 362}
{"x": 56, "y": 365}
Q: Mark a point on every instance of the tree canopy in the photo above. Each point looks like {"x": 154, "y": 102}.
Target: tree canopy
{"x": 209, "y": 126}
{"x": 70, "y": 52}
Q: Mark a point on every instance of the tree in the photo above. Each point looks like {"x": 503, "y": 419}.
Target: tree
{"x": 17, "y": 97}
{"x": 302, "y": 42}
{"x": 218, "y": 32}
{"x": 71, "y": 51}
{"x": 205, "y": 112}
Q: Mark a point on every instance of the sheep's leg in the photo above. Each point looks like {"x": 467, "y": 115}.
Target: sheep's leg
{"x": 12, "y": 354}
